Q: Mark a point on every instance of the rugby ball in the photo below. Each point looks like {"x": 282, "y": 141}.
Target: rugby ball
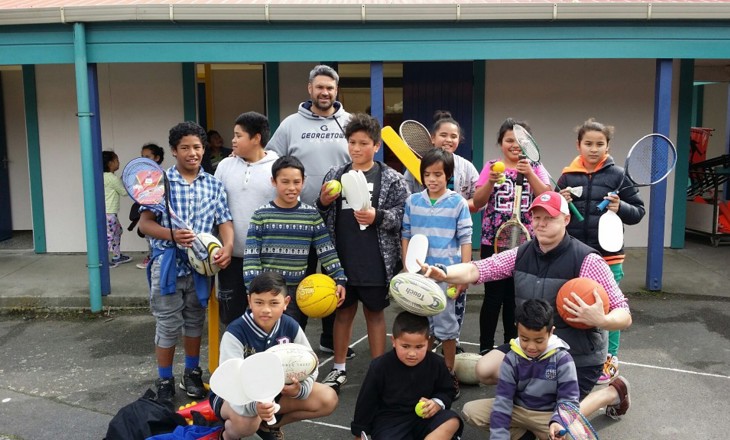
{"x": 206, "y": 267}
{"x": 297, "y": 360}
{"x": 465, "y": 368}
{"x": 418, "y": 294}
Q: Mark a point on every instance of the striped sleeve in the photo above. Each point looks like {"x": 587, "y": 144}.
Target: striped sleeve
{"x": 501, "y": 416}
{"x": 594, "y": 267}
{"x": 252, "y": 254}
{"x": 464, "y": 223}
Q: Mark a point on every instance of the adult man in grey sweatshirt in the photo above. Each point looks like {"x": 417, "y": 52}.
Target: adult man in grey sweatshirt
{"x": 315, "y": 136}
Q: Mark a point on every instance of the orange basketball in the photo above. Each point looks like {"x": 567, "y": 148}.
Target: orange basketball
{"x": 583, "y": 287}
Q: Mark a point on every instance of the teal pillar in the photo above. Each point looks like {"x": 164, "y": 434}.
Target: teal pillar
{"x": 87, "y": 167}
{"x": 684, "y": 128}
{"x": 273, "y": 103}
{"x": 477, "y": 143}
{"x": 189, "y": 82}
{"x": 34, "y": 159}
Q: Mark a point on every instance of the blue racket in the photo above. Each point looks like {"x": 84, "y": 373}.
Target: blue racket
{"x": 575, "y": 425}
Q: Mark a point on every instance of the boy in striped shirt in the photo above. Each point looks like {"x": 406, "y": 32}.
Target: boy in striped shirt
{"x": 281, "y": 232}
{"x": 443, "y": 216}
{"x": 536, "y": 374}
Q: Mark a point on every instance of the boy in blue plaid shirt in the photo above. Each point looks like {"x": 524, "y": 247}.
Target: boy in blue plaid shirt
{"x": 178, "y": 294}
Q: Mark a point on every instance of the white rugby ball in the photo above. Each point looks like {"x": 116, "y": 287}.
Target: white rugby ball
{"x": 465, "y": 368}
{"x": 417, "y": 294}
{"x": 297, "y": 360}
{"x": 206, "y": 267}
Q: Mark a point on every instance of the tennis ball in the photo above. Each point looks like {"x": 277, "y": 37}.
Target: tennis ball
{"x": 419, "y": 409}
{"x": 451, "y": 292}
{"x": 501, "y": 180}
{"x": 333, "y": 187}
{"x": 498, "y": 167}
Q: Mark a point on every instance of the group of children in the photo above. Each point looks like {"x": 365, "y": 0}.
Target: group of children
{"x": 267, "y": 233}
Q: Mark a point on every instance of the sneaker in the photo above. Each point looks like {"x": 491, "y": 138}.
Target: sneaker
{"x": 622, "y": 387}
{"x": 165, "y": 391}
{"x": 143, "y": 264}
{"x": 610, "y": 370}
{"x": 269, "y": 433}
{"x": 335, "y": 379}
{"x": 326, "y": 349}
{"x": 456, "y": 386}
{"x": 120, "y": 260}
{"x": 436, "y": 344}
{"x": 192, "y": 383}
{"x": 459, "y": 349}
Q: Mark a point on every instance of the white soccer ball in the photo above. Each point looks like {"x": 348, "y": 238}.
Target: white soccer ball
{"x": 417, "y": 294}
{"x": 298, "y": 361}
{"x": 206, "y": 267}
{"x": 465, "y": 368}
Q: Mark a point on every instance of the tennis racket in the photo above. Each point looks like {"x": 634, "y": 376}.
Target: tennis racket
{"x": 532, "y": 151}
{"x": 417, "y": 137}
{"x": 650, "y": 160}
{"x": 512, "y": 233}
{"x": 575, "y": 425}
{"x": 145, "y": 181}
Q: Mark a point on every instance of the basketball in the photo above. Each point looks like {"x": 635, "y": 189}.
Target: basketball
{"x": 317, "y": 295}
{"x": 417, "y": 294}
{"x": 583, "y": 287}
{"x": 206, "y": 267}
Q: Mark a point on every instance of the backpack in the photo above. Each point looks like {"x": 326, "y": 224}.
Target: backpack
{"x": 143, "y": 418}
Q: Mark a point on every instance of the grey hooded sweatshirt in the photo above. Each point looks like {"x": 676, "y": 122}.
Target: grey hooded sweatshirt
{"x": 317, "y": 141}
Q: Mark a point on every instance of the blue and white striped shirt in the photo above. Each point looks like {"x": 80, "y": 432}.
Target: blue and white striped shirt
{"x": 446, "y": 223}
{"x": 200, "y": 204}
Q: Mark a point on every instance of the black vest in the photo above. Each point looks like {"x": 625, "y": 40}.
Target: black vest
{"x": 541, "y": 275}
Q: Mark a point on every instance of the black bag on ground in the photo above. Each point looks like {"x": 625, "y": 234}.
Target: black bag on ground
{"x": 143, "y": 418}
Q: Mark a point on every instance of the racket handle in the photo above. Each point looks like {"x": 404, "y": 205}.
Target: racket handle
{"x": 575, "y": 212}
{"x": 562, "y": 432}
{"x": 605, "y": 202}
{"x": 271, "y": 421}
{"x": 363, "y": 227}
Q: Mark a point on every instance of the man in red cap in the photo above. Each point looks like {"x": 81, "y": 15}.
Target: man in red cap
{"x": 540, "y": 268}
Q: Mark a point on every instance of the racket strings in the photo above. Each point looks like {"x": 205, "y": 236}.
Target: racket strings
{"x": 509, "y": 237}
{"x": 417, "y": 137}
{"x": 526, "y": 143}
{"x": 577, "y": 426}
{"x": 651, "y": 160}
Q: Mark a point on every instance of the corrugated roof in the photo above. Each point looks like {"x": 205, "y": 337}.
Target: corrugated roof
{"x": 22, "y": 4}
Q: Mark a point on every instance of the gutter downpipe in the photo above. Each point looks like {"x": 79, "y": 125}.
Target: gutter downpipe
{"x": 87, "y": 167}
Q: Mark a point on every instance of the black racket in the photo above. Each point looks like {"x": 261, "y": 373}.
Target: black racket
{"x": 650, "y": 160}
{"x": 417, "y": 137}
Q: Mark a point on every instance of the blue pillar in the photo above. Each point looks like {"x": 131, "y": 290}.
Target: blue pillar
{"x": 657, "y": 213}
{"x": 377, "y": 97}
{"x": 95, "y": 121}
{"x": 87, "y": 166}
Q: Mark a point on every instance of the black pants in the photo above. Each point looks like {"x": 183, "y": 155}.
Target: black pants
{"x": 232, "y": 297}
{"x": 498, "y": 295}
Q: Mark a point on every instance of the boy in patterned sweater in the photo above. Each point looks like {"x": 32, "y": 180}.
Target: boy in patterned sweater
{"x": 536, "y": 375}
{"x": 281, "y": 233}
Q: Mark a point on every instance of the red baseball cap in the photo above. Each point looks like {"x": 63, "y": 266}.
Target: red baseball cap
{"x": 551, "y": 202}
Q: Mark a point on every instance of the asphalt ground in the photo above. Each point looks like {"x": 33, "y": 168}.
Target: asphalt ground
{"x": 64, "y": 375}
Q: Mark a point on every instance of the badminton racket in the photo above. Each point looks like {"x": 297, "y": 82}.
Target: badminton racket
{"x": 417, "y": 137}
{"x": 650, "y": 160}
{"x": 512, "y": 233}
{"x": 575, "y": 425}
{"x": 532, "y": 151}
{"x": 145, "y": 181}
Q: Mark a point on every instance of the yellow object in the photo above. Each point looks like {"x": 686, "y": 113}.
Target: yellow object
{"x": 451, "y": 292}
{"x": 407, "y": 157}
{"x": 419, "y": 409}
{"x": 333, "y": 187}
{"x": 213, "y": 332}
{"x": 317, "y": 295}
{"x": 498, "y": 167}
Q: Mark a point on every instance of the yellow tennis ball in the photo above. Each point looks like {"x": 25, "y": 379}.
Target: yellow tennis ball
{"x": 501, "y": 180}
{"x": 333, "y": 187}
{"x": 451, "y": 292}
{"x": 498, "y": 167}
{"x": 419, "y": 409}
